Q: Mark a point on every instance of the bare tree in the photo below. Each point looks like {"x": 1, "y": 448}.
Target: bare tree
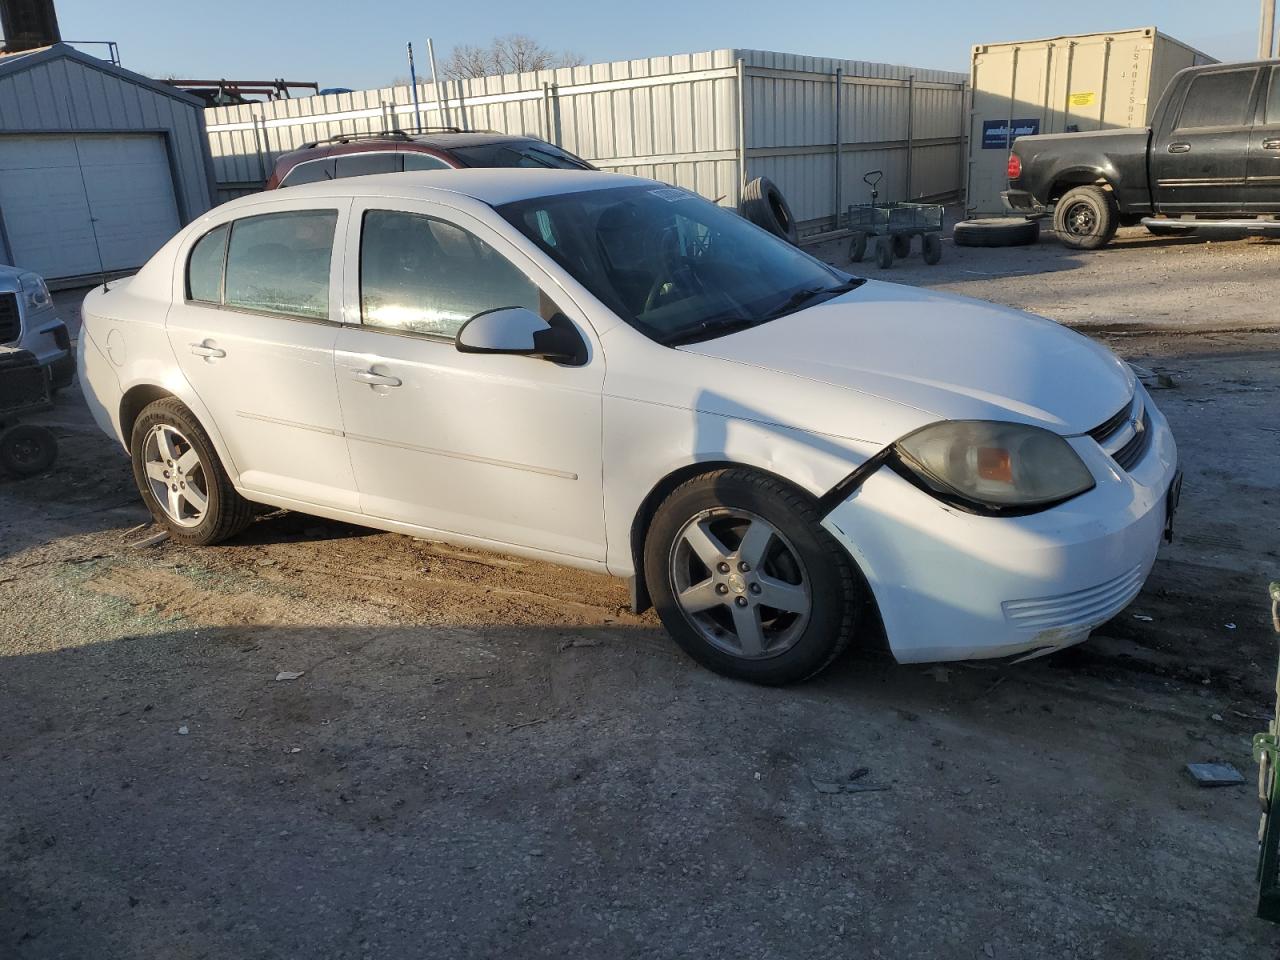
{"x": 516, "y": 53}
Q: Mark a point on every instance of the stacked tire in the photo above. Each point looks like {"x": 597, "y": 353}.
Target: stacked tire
{"x": 764, "y": 205}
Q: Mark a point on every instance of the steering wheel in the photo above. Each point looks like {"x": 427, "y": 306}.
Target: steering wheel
{"x": 672, "y": 263}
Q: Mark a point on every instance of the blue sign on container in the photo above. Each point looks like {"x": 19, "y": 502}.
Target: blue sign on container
{"x": 998, "y": 134}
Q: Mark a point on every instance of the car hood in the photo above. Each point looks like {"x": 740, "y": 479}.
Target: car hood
{"x": 948, "y": 357}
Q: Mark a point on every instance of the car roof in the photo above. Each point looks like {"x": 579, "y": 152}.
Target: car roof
{"x": 442, "y": 140}
{"x": 492, "y": 185}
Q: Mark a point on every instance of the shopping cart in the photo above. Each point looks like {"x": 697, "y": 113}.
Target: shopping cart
{"x": 893, "y": 225}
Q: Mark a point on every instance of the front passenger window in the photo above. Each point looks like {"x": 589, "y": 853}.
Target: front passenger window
{"x": 279, "y": 263}
{"x": 423, "y": 275}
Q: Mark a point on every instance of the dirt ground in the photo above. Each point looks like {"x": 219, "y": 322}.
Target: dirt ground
{"x": 485, "y": 756}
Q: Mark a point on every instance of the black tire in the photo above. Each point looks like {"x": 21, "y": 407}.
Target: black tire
{"x": 834, "y": 587}
{"x": 996, "y": 232}
{"x": 857, "y": 248}
{"x": 1086, "y": 218}
{"x": 227, "y": 512}
{"x": 884, "y": 252}
{"x": 27, "y": 450}
{"x": 764, "y": 205}
{"x": 902, "y": 245}
{"x": 931, "y": 248}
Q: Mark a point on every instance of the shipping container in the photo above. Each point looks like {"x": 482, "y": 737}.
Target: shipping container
{"x": 707, "y": 121}
{"x": 1060, "y": 85}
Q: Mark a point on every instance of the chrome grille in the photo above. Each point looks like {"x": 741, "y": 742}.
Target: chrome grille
{"x": 10, "y": 321}
{"x": 1126, "y": 435}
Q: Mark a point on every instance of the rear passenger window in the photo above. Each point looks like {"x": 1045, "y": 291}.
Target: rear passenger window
{"x": 1273, "y": 98}
{"x": 422, "y": 275}
{"x": 423, "y": 161}
{"x": 313, "y": 171}
{"x": 279, "y": 263}
{"x": 204, "y": 267}
{"x": 1217, "y": 100}
{"x": 362, "y": 164}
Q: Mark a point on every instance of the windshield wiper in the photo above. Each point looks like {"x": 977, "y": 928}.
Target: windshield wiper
{"x": 711, "y": 327}
{"x": 801, "y": 297}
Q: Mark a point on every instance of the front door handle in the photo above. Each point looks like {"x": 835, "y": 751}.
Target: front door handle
{"x": 1180, "y": 147}
{"x": 374, "y": 379}
{"x": 1273, "y": 144}
{"x": 207, "y": 350}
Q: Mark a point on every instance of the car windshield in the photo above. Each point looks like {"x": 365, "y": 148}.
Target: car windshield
{"x": 673, "y": 265}
{"x": 519, "y": 153}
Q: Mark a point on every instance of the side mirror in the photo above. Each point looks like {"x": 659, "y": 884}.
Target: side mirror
{"x": 521, "y": 332}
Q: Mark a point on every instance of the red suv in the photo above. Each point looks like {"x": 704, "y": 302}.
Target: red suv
{"x": 443, "y": 148}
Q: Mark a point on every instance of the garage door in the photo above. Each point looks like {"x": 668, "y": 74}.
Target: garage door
{"x": 76, "y": 205}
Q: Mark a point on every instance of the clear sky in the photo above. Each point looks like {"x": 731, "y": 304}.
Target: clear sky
{"x": 341, "y": 43}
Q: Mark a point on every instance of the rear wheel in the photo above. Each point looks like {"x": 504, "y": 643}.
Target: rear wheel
{"x": 858, "y": 247}
{"x": 181, "y": 478}
{"x": 746, "y": 579}
{"x": 1086, "y": 218}
{"x": 931, "y": 248}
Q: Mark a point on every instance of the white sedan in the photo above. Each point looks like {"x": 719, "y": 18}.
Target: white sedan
{"x": 607, "y": 372}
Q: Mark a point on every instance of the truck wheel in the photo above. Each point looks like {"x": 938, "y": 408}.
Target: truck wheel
{"x": 1086, "y": 218}
{"x": 996, "y": 232}
{"x": 27, "y": 449}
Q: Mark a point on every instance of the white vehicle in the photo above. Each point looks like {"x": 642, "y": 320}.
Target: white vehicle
{"x": 607, "y": 372}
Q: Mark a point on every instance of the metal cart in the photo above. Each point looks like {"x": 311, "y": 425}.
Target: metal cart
{"x": 893, "y": 225}
{"x": 25, "y": 449}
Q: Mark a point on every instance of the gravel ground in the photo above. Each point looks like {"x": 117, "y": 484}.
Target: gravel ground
{"x": 485, "y": 756}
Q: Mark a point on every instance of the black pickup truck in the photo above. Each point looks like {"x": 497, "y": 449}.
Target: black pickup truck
{"x": 1208, "y": 164}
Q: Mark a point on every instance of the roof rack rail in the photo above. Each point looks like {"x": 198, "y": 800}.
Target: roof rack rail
{"x": 383, "y": 135}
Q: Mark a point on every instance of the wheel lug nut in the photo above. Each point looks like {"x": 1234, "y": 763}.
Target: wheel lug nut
{"x": 722, "y": 567}
{"x": 744, "y": 567}
{"x": 721, "y": 588}
{"x": 741, "y": 601}
{"x": 755, "y": 588}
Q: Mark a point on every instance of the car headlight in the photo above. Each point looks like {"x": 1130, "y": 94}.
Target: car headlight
{"x": 34, "y": 290}
{"x": 994, "y": 465}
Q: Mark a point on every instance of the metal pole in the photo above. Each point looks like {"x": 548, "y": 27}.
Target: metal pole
{"x": 742, "y": 132}
{"x": 546, "y": 112}
{"x": 839, "y": 172}
{"x": 1267, "y": 31}
{"x": 911, "y": 120}
{"x": 413, "y": 82}
{"x": 441, "y": 106}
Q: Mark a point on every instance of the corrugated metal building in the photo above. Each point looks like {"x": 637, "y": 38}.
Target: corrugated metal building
{"x": 99, "y": 166}
{"x": 1086, "y": 82}
{"x": 705, "y": 121}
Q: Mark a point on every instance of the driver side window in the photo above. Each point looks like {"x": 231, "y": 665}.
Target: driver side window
{"x": 421, "y": 275}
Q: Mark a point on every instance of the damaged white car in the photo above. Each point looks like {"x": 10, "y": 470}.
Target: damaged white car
{"x": 608, "y": 372}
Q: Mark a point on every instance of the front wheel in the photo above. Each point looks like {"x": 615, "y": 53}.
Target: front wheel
{"x": 181, "y": 478}
{"x": 746, "y": 579}
{"x": 1086, "y": 218}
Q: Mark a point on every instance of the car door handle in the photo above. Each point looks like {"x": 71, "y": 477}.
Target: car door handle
{"x": 207, "y": 350}
{"x": 1180, "y": 147}
{"x": 374, "y": 379}
{"x": 1273, "y": 144}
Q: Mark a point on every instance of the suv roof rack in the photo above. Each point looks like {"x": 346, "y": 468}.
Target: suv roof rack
{"x": 382, "y": 135}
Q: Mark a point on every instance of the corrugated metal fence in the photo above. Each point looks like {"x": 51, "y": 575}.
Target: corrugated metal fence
{"x": 704, "y": 121}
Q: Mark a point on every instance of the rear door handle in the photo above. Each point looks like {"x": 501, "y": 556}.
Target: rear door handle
{"x": 374, "y": 379}
{"x": 1180, "y": 148}
{"x": 207, "y": 350}
{"x": 1273, "y": 144}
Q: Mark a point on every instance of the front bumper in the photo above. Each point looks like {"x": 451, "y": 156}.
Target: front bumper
{"x": 955, "y": 586}
{"x": 1022, "y": 202}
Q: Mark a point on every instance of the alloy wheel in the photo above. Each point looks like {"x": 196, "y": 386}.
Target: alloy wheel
{"x": 176, "y": 475}
{"x": 740, "y": 583}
